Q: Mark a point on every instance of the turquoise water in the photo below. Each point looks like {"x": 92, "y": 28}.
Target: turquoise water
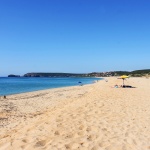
{"x": 20, "y": 85}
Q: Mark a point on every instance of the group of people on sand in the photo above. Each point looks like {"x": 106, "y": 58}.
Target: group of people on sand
{"x": 122, "y": 86}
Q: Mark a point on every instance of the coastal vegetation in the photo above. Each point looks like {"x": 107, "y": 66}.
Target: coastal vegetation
{"x": 54, "y": 75}
{"x": 135, "y": 73}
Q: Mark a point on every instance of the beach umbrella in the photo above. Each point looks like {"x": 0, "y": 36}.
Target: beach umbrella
{"x": 123, "y": 78}
{"x": 80, "y": 83}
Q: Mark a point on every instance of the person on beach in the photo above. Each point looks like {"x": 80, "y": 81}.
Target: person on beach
{"x": 116, "y": 86}
{"x": 106, "y": 80}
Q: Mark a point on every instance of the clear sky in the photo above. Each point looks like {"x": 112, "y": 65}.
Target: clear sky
{"x": 76, "y": 36}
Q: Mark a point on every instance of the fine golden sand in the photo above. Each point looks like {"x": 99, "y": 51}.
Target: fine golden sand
{"x": 89, "y": 117}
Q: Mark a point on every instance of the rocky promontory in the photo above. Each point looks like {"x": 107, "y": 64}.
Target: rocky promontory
{"x": 54, "y": 75}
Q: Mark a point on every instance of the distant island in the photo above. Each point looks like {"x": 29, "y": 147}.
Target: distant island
{"x": 12, "y": 75}
{"x": 136, "y": 73}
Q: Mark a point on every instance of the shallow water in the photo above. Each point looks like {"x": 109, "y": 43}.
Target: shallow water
{"x": 24, "y": 84}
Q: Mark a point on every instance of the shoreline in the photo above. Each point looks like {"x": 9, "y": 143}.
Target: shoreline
{"x": 91, "y": 82}
{"x": 44, "y": 90}
{"x": 93, "y": 116}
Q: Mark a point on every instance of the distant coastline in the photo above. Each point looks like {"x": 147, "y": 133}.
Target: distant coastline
{"x": 135, "y": 73}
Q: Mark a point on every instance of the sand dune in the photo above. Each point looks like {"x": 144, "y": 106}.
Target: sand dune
{"x": 90, "y": 117}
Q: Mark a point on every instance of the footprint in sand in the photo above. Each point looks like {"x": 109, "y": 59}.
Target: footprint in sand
{"x": 81, "y": 127}
{"x": 40, "y": 143}
{"x": 91, "y": 137}
{"x": 88, "y": 129}
{"x": 73, "y": 146}
{"x": 59, "y": 119}
{"x": 57, "y": 133}
{"x": 23, "y": 146}
{"x": 24, "y": 140}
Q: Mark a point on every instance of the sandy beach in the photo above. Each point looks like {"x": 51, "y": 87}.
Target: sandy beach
{"x": 89, "y": 117}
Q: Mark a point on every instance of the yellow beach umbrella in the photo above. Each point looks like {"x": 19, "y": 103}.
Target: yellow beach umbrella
{"x": 123, "y": 77}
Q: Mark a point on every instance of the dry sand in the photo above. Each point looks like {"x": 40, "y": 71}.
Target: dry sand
{"x": 90, "y": 117}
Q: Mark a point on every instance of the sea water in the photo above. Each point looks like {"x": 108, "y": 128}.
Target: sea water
{"x": 15, "y": 85}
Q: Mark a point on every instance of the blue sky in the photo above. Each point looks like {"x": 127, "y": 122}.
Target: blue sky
{"x": 77, "y": 36}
